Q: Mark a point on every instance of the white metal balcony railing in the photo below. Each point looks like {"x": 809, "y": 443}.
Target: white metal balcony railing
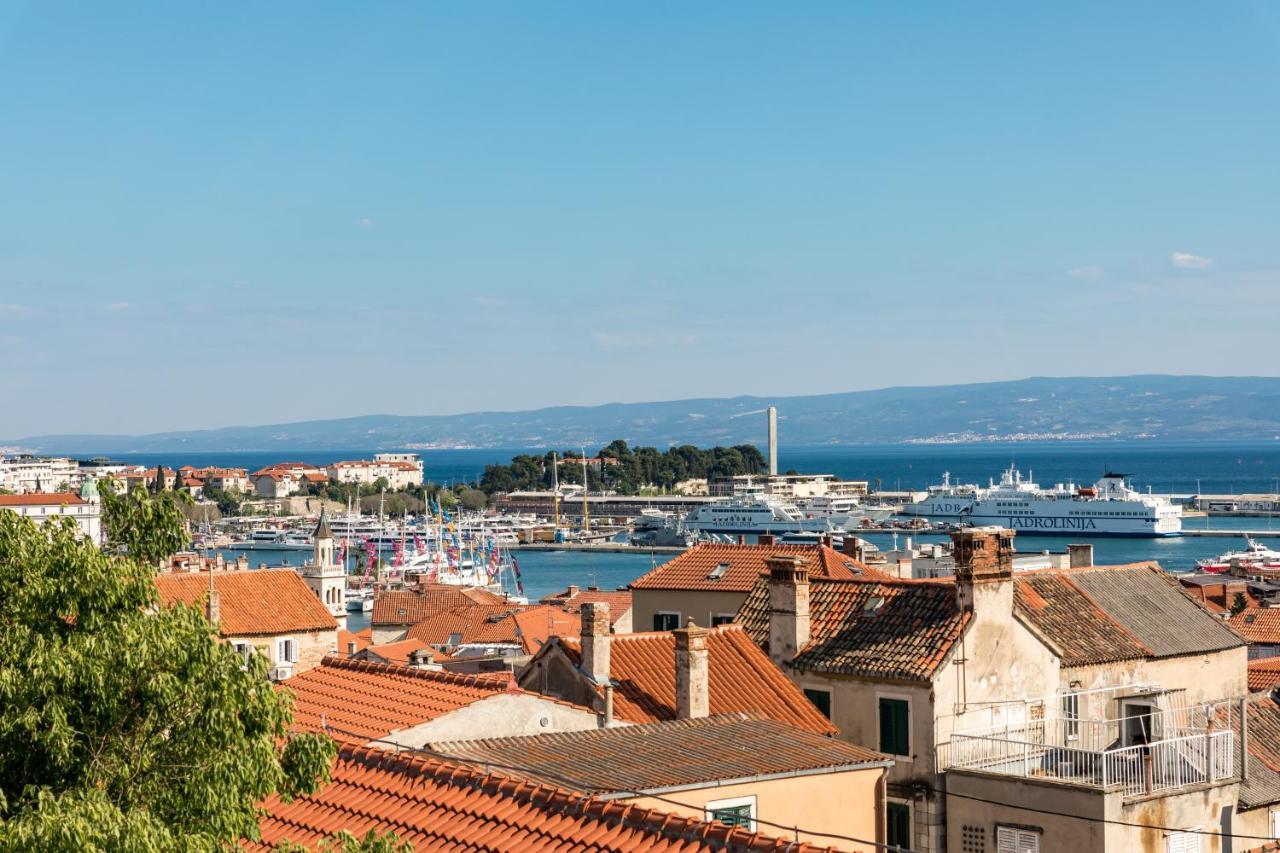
{"x": 1163, "y": 765}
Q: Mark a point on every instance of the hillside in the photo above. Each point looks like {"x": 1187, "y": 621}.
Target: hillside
{"x": 1162, "y": 407}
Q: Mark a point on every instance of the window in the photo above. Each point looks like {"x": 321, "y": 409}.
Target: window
{"x": 1012, "y": 839}
{"x": 1071, "y": 715}
{"x": 721, "y": 619}
{"x": 1274, "y": 821}
{"x": 243, "y": 650}
{"x": 740, "y": 811}
{"x": 286, "y": 651}
{"x": 1182, "y": 842}
{"x": 897, "y": 825}
{"x": 894, "y": 736}
{"x": 664, "y": 621}
{"x": 821, "y": 699}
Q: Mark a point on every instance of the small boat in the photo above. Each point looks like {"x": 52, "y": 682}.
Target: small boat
{"x": 1254, "y": 556}
{"x": 360, "y": 601}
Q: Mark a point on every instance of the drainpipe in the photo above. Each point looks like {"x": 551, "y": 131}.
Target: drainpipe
{"x": 1244, "y": 740}
{"x": 608, "y": 705}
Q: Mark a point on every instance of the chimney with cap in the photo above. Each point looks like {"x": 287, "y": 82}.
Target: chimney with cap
{"x": 788, "y": 607}
{"x": 595, "y": 640}
{"x": 1080, "y": 556}
{"x": 692, "y": 699}
{"x": 984, "y": 569}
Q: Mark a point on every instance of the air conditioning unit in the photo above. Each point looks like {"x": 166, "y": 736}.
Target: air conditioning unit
{"x": 280, "y": 673}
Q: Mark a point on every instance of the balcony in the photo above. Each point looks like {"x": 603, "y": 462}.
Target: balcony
{"x": 1155, "y": 745}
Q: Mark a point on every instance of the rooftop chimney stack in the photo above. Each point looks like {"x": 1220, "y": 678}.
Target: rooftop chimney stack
{"x": 788, "y": 607}
{"x": 692, "y": 700}
{"x": 984, "y": 568}
{"x": 852, "y": 546}
{"x": 1080, "y": 556}
{"x": 773, "y": 441}
{"x": 595, "y": 641}
{"x": 213, "y": 607}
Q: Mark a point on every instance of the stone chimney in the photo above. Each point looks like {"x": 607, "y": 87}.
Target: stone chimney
{"x": 788, "y": 607}
{"x": 595, "y": 640}
{"x": 1080, "y": 556}
{"x": 852, "y": 546}
{"x": 573, "y": 591}
{"x": 984, "y": 568}
{"x": 213, "y": 607}
{"x": 692, "y": 699}
{"x": 766, "y": 539}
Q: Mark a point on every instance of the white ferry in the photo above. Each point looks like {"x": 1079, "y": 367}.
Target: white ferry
{"x": 946, "y": 500}
{"x": 758, "y": 514}
{"x": 1109, "y": 508}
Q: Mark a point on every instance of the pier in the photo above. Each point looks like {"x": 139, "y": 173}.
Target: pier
{"x": 1226, "y": 534}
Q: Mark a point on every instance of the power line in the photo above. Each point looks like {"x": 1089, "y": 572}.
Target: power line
{"x": 580, "y": 786}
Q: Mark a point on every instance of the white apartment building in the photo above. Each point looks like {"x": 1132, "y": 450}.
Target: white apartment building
{"x": 25, "y": 474}
{"x": 83, "y": 507}
{"x": 366, "y": 472}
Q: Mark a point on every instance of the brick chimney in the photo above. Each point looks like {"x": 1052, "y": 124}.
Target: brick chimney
{"x": 766, "y": 539}
{"x": 852, "y": 546}
{"x": 595, "y": 640}
{"x": 1080, "y": 556}
{"x": 213, "y": 607}
{"x": 984, "y": 568}
{"x": 692, "y": 698}
{"x": 788, "y": 607}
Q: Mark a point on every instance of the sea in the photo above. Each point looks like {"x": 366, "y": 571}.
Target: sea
{"x": 1183, "y": 468}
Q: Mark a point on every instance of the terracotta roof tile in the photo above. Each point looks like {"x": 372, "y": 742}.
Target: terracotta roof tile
{"x": 619, "y": 600}
{"x": 443, "y": 805}
{"x": 693, "y": 569}
{"x": 472, "y": 623}
{"x": 661, "y": 755}
{"x": 1264, "y": 674}
{"x": 740, "y": 678}
{"x": 877, "y": 629}
{"x": 40, "y": 499}
{"x": 1258, "y": 624}
{"x": 407, "y": 607}
{"x": 253, "y": 603}
{"x": 1071, "y": 623}
{"x": 361, "y": 700}
{"x": 536, "y": 625}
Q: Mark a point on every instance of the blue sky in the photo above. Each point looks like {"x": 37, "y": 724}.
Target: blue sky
{"x": 247, "y": 213}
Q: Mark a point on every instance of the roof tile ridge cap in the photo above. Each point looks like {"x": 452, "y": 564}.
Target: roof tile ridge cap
{"x": 1107, "y": 615}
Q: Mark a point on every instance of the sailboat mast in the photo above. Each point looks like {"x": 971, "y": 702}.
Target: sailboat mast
{"x": 586, "y": 518}
{"x": 555, "y": 487}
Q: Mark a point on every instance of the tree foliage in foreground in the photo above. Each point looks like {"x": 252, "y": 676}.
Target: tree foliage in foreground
{"x": 147, "y": 527}
{"x": 125, "y": 726}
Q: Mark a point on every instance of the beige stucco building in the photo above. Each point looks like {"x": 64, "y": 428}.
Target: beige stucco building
{"x": 1041, "y": 684}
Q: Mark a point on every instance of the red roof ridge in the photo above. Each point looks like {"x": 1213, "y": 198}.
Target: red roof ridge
{"x": 497, "y": 681}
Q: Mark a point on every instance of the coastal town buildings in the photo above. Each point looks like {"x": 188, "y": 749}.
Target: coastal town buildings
{"x": 395, "y": 469}
{"x": 271, "y": 612}
{"x": 1001, "y": 695}
{"x": 285, "y": 478}
{"x": 83, "y": 506}
{"x": 710, "y": 581}
{"x": 737, "y": 769}
{"x": 26, "y": 474}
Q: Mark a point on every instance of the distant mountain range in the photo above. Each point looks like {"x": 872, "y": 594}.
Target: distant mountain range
{"x": 1126, "y": 407}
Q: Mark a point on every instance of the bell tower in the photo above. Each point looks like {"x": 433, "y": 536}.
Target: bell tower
{"x": 327, "y": 579}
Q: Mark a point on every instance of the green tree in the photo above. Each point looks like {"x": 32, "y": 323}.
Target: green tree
{"x": 1239, "y": 604}
{"x": 473, "y": 499}
{"x": 125, "y": 725}
{"x": 149, "y": 527}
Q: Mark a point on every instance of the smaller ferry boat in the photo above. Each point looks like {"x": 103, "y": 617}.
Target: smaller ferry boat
{"x": 757, "y": 514}
{"x": 1254, "y": 556}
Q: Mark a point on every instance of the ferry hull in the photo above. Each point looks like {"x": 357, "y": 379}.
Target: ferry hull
{"x": 1044, "y": 527}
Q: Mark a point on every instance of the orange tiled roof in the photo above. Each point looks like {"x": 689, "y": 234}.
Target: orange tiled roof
{"x": 399, "y": 652}
{"x": 693, "y": 568}
{"x": 361, "y": 700}
{"x": 536, "y": 625}
{"x": 410, "y": 606}
{"x": 1258, "y": 624}
{"x": 471, "y": 623}
{"x": 444, "y": 805}
{"x": 619, "y": 600}
{"x": 897, "y": 629}
{"x": 362, "y": 639}
{"x": 41, "y": 499}
{"x": 252, "y": 603}
{"x": 1219, "y": 598}
{"x": 740, "y": 678}
{"x": 1264, "y": 673}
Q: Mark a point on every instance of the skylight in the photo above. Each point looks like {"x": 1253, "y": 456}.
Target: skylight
{"x": 718, "y": 572}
